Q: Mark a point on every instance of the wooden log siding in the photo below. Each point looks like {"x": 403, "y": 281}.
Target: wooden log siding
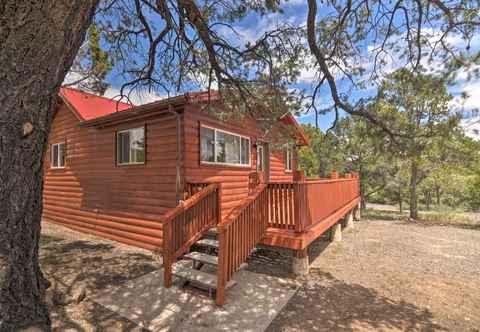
{"x": 238, "y": 235}
{"x": 93, "y": 195}
{"x": 186, "y": 224}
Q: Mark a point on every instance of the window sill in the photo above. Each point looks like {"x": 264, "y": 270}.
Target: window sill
{"x": 131, "y": 164}
{"x": 224, "y": 165}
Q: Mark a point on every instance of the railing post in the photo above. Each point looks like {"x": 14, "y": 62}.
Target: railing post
{"x": 167, "y": 255}
{"x": 334, "y": 175}
{"x": 221, "y": 270}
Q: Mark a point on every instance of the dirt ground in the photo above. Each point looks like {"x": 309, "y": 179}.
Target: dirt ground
{"x": 390, "y": 275}
{"x": 72, "y": 261}
{"x": 386, "y": 275}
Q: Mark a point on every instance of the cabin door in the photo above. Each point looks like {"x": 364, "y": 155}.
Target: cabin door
{"x": 263, "y": 160}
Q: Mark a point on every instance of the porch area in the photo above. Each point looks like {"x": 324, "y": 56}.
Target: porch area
{"x": 286, "y": 215}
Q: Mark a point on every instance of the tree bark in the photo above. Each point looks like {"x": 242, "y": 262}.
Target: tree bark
{"x": 428, "y": 199}
{"x": 38, "y": 43}
{"x": 400, "y": 200}
{"x": 413, "y": 190}
{"x": 437, "y": 192}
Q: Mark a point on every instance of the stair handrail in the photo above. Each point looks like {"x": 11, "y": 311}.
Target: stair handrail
{"x": 173, "y": 245}
{"x": 250, "y": 220}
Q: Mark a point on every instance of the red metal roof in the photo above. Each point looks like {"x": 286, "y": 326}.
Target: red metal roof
{"x": 88, "y": 106}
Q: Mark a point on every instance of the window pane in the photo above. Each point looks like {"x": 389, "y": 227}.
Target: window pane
{"x": 131, "y": 146}
{"x": 54, "y": 155}
{"x": 137, "y": 145}
{"x": 220, "y": 151}
{"x": 245, "y": 151}
{"x": 61, "y": 155}
{"x": 207, "y": 143}
{"x": 288, "y": 159}
{"x": 123, "y": 142}
{"x": 232, "y": 149}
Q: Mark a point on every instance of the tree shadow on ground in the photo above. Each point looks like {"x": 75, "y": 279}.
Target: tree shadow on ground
{"x": 274, "y": 261}
{"x": 325, "y": 303}
{"x": 73, "y": 264}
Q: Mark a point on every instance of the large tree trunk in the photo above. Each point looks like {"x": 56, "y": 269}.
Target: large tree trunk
{"x": 413, "y": 190}
{"x": 38, "y": 43}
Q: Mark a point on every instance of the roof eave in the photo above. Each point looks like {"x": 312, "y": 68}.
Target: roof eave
{"x": 136, "y": 112}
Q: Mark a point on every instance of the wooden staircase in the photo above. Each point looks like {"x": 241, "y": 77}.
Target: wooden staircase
{"x": 199, "y": 267}
{"x": 218, "y": 253}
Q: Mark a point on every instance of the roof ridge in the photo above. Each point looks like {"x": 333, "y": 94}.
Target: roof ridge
{"x": 97, "y": 96}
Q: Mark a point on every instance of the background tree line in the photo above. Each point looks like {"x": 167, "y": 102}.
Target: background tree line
{"x": 430, "y": 160}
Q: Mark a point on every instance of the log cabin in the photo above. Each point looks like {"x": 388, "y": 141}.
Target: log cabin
{"x": 170, "y": 176}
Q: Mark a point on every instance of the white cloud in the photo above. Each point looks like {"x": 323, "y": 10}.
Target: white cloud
{"x": 472, "y": 102}
{"x": 137, "y": 97}
{"x": 472, "y": 127}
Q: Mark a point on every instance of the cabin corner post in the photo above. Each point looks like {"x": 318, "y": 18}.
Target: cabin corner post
{"x": 179, "y": 157}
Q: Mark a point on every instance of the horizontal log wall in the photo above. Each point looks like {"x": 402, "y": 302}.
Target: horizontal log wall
{"x": 94, "y": 195}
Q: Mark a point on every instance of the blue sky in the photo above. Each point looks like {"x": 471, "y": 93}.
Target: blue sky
{"x": 295, "y": 13}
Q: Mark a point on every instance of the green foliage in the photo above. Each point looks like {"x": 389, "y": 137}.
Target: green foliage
{"x": 428, "y": 157}
{"x": 92, "y": 64}
{"x": 100, "y": 64}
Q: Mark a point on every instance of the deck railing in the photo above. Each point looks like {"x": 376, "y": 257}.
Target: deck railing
{"x": 187, "y": 223}
{"x": 238, "y": 235}
{"x": 297, "y": 206}
{"x": 282, "y": 205}
{"x": 193, "y": 188}
{"x": 326, "y": 196}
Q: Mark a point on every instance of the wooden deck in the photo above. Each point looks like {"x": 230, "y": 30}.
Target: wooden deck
{"x": 288, "y": 215}
{"x": 302, "y": 211}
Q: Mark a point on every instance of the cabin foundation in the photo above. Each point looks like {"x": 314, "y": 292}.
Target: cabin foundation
{"x": 357, "y": 213}
{"x": 336, "y": 232}
{"x": 349, "y": 223}
{"x": 300, "y": 262}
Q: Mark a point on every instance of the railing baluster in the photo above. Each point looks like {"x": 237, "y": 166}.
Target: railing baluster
{"x": 239, "y": 234}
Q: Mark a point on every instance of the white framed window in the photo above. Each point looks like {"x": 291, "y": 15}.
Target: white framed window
{"x": 131, "y": 146}
{"x": 58, "y": 155}
{"x": 224, "y": 148}
{"x": 288, "y": 158}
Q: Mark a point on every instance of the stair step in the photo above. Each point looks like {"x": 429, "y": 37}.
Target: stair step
{"x": 197, "y": 277}
{"x": 208, "y": 243}
{"x": 213, "y": 231}
{"x": 202, "y": 258}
